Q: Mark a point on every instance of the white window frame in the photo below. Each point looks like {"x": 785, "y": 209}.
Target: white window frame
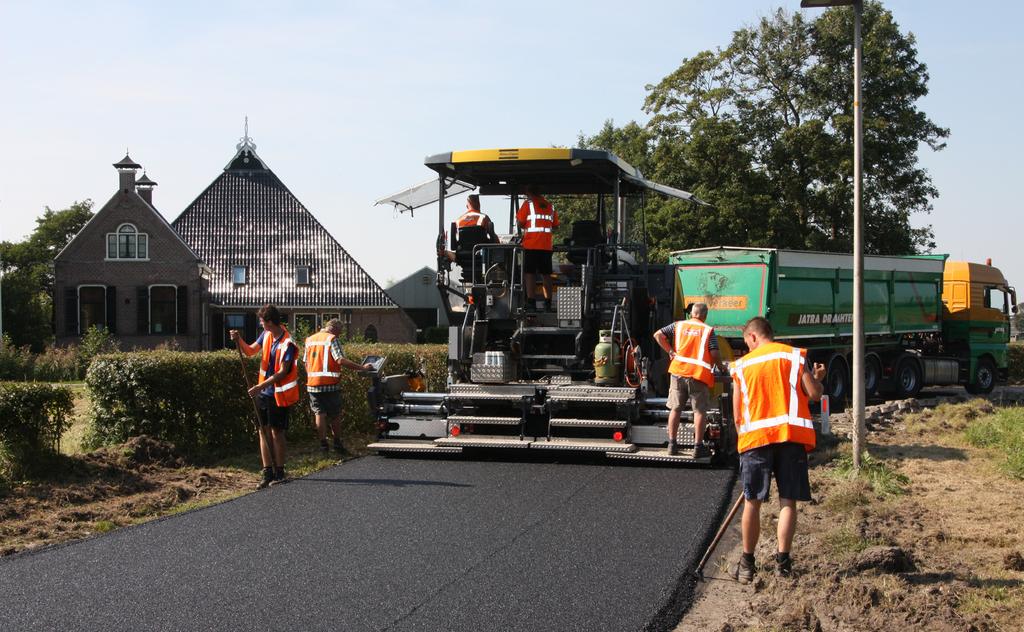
{"x": 245, "y": 275}
{"x": 117, "y": 244}
{"x": 149, "y": 310}
{"x": 295, "y": 317}
{"x": 78, "y": 304}
{"x": 309, "y": 274}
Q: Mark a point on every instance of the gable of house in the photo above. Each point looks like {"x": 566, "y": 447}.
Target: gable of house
{"x": 264, "y": 246}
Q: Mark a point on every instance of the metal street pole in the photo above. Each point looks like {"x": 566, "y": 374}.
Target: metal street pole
{"x": 858, "y": 229}
{"x": 858, "y": 248}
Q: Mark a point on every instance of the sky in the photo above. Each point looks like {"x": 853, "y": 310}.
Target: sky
{"x": 345, "y": 99}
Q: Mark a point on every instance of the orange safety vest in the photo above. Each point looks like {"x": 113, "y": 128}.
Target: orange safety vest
{"x": 286, "y": 393}
{"x": 775, "y": 406}
{"x": 471, "y": 218}
{"x": 693, "y": 356}
{"x": 538, "y": 218}
{"x": 321, "y": 367}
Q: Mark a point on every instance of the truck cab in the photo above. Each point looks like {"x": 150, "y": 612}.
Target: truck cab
{"x": 977, "y": 303}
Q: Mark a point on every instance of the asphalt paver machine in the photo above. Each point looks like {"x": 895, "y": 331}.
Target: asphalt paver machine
{"x": 584, "y": 374}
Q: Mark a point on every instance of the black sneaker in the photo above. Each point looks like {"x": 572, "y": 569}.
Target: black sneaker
{"x": 279, "y": 477}
{"x": 784, "y": 565}
{"x": 323, "y": 445}
{"x": 673, "y": 449}
{"x": 339, "y": 448}
{"x": 743, "y": 571}
{"x": 268, "y": 478}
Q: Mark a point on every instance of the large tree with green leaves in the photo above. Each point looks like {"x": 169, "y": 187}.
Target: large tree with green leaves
{"x": 28, "y": 274}
{"x": 763, "y": 130}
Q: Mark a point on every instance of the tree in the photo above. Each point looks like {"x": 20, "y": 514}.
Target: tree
{"x": 28, "y": 274}
{"x": 763, "y": 130}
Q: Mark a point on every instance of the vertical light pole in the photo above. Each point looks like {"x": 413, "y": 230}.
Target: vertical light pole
{"x": 858, "y": 228}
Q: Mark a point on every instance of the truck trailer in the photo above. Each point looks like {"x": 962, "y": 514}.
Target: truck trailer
{"x": 927, "y": 320}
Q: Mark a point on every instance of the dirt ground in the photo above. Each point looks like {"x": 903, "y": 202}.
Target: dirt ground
{"x": 137, "y": 481}
{"x": 932, "y": 541}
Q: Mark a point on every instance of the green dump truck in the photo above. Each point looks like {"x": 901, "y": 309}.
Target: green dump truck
{"x": 927, "y": 321}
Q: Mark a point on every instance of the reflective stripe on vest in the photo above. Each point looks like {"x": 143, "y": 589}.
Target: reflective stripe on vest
{"x": 285, "y": 393}
{"x": 772, "y": 422}
{"x": 321, "y": 367}
{"x": 471, "y": 218}
{"x": 537, "y": 225}
{"x": 691, "y": 360}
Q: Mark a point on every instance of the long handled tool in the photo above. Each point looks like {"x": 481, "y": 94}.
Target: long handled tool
{"x": 718, "y": 536}
{"x": 261, "y": 430}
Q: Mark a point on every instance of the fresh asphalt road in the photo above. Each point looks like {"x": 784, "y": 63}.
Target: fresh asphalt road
{"x": 393, "y": 544}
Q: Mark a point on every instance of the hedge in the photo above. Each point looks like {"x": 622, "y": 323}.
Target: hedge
{"x": 33, "y": 417}
{"x": 1016, "y": 362}
{"x": 198, "y": 401}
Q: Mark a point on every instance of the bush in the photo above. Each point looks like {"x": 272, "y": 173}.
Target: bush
{"x": 1015, "y": 362}
{"x": 32, "y": 419}
{"x": 54, "y": 364}
{"x": 198, "y": 402}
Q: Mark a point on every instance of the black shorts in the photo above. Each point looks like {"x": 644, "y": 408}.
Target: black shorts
{"x": 537, "y": 261}
{"x": 787, "y": 462}
{"x": 271, "y": 414}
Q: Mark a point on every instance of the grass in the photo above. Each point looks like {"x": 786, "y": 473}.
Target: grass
{"x": 986, "y": 599}
{"x": 880, "y": 477}
{"x": 843, "y": 542}
{"x": 1002, "y": 432}
{"x": 103, "y": 526}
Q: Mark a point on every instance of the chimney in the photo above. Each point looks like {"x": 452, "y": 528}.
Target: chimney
{"x": 126, "y": 169}
{"x": 145, "y": 188}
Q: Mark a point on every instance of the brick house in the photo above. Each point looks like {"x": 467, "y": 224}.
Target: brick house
{"x": 129, "y": 271}
{"x": 216, "y": 264}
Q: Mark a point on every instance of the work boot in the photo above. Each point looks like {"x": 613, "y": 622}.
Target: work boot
{"x": 279, "y": 477}
{"x": 323, "y": 445}
{"x": 744, "y": 570}
{"x": 339, "y": 448}
{"x": 701, "y": 451}
{"x": 673, "y": 449}
{"x": 268, "y": 477}
{"x": 784, "y": 564}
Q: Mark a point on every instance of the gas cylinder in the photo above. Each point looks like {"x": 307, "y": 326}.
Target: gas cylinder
{"x": 607, "y": 363}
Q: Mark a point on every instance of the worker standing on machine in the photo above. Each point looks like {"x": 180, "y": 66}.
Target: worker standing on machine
{"x": 694, "y": 354}
{"x": 538, "y": 220}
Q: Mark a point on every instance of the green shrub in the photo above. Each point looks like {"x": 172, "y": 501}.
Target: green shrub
{"x": 883, "y": 479}
{"x": 1015, "y": 362}
{"x": 1003, "y": 431}
{"x": 198, "y": 401}
{"x": 96, "y": 341}
{"x": 15, "y": 362}
{"x": 58, "y": 364}
{"x": 32, "y": 419}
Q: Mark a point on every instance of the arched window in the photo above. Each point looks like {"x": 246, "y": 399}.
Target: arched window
{"x": 370, "y": 334}
{"x": 127, "y": 243}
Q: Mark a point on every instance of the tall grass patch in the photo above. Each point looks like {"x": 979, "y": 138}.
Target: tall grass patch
{"x": 1003, "y": 432}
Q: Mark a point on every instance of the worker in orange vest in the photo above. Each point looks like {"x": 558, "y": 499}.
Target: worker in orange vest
{"x": 538, "y": 219}
{"x": 473, "y": 217}
{"x": 276, "y": 390}
{"x": 694, "y": 353}
{"x": 772, "y": 387}
{"x": 324, "y": 357}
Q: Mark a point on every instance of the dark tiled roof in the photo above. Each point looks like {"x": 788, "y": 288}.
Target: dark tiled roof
{"x": 127, "y": 163}
{"x": 249, "y": 217}
{"x": 144, "y": 181}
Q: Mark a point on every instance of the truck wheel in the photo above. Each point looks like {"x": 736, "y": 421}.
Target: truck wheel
{"x": 908, "y": 379}
{"x": 984, "y": 378}
{"x": 872, "y": 375}
{"x": 837, "y": 379}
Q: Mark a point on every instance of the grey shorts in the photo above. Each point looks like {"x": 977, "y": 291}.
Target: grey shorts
{"x": 785, "y": 462}
{"x": 328, "y": 403}
{"x": 683, "y": 388}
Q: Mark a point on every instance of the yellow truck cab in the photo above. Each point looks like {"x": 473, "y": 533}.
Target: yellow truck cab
{"x": 977, "y": 303}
